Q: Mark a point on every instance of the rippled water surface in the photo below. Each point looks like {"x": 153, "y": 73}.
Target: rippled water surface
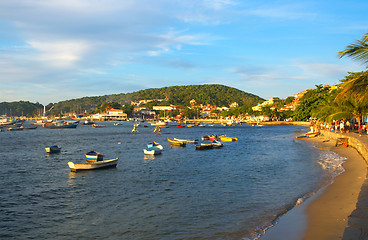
{"x": 227, "y": 193}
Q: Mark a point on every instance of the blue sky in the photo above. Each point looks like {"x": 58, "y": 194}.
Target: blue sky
{"x": 57, "y": 50}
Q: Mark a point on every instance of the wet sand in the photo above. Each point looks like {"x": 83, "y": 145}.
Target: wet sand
{"x": 325, "y": 215}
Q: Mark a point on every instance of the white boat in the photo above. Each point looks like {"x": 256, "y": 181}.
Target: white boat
{"x": 159, "y": 123}
{"x": 74, "y": 167}
{"x": 186, "y": 141}
{"x": 152, "y": 151}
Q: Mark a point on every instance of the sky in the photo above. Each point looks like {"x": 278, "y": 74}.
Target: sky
{"x": 52, "y": 50}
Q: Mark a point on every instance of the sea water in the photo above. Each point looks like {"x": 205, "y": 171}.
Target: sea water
{"x": 230, "y": 193}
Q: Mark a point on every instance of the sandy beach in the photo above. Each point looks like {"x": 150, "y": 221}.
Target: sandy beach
{"x": 325, "y": 215}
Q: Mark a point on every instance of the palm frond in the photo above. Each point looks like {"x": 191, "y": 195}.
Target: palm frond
{"x": 357, "y": 51}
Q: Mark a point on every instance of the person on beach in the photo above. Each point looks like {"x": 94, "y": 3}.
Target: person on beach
{"x": 347, "y": 126}
{"x": 342, "y": 126}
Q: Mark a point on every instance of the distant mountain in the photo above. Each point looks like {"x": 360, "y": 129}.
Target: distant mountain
{"x": 213, "y": 94}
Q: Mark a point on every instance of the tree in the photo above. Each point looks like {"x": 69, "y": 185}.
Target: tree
{"x": 355, "y": 86}
{"x": 358, "y": 50}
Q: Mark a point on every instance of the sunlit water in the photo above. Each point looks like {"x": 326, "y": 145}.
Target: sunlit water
{"x": 228, "y": 193}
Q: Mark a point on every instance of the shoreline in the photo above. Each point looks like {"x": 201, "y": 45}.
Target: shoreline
{"x": 326, "y": 214}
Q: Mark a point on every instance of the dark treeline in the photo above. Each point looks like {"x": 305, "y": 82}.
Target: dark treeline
{"x": 21, "y": 108}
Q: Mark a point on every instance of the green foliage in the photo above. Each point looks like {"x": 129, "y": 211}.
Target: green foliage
{"x": 213, "y": 94}
{"x": 21, "y": 108}
{"x": 312, "y": 103}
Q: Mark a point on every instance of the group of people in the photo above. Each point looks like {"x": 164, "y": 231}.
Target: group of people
{"x": 339, "y": 126}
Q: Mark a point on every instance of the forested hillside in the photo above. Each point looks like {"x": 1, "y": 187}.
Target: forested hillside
{"x": 213, "y": 94}
{"x": 20, "y": 108}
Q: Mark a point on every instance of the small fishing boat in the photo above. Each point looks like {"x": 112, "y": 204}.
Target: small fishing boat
{"x": 209, "y": 137}
{"x": 217, "y": 144}
{"x": 307, "y": 135}
{"x": 15, "y": 129}
{"x": 190, "y": 125}
{"x": 60, "y": 124}
{"x": 159, "y": 123}
{"x": 118, "y": 123}
{"x": 152, "y": 151}
{"x": 97, "y": 126}
{"x": 93, "y": 156}
{"x": 87, "y": 122}
{"x": 176, "y": 142}
{"x": 53, "y": 149}
{"x": 204, "y": 146}
{"x": 156, "y": 145}
{"x": 186, "y": 141}
{"x": 180, "y": 126}
{"x": 224, "y": 138}
{"x": 29, "y": 128}
{"x": 74, "y": 167}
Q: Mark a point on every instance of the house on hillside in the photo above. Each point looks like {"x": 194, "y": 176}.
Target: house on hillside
{"x": 269, "y": 102}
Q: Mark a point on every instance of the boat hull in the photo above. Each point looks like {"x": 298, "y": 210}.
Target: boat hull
{"x": 152, "y": 151}
{"x": 176, "y": 142}
{"x": 74, "y": 167}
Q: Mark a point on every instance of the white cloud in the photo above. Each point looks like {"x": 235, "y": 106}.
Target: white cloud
{"x": 60, "y": 53}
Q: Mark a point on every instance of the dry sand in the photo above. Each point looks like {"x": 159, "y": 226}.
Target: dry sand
{"x": 327, "y": 215}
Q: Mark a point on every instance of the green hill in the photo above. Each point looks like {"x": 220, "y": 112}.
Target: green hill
{"x": 213, "y": 94}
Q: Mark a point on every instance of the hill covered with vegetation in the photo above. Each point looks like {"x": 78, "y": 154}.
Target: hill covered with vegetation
{"x": 20, "y": 108}
{"x": 213, "y": 94}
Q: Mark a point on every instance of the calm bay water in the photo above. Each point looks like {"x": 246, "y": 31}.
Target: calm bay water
{"x": 228, "y": 193}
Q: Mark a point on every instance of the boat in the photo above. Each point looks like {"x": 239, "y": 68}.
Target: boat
{"x": 209, "y": 137}
{"x": 204, "y": 146}
{"x": 308, "y": 135}
{"x": 155, "y": 144}
{"x": 217, "y": 144}
{"x": 224, "y": 138}
{"x": 152, "y": 151}
{"x": 190, "y": 125}
{"x": 118, "y": 123}
{"x": 53, "y": 149}
{"x": 87, "y": 122}
{"x": 15, "y": 129}
{"x": 93, "y": 156}
{"x": 60, "y": 124}
{"x": 29, "y": 128}
{"x": 186, "y": 141}
{"x": 74, "y": 167}
{"x": 176, "y": 142}
{"x": 180, "y": 126}
{"x": 159, "y": 123}
{"x": 97, "y": 125}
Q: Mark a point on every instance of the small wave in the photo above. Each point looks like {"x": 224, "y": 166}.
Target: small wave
{"x": 331, "y": 163}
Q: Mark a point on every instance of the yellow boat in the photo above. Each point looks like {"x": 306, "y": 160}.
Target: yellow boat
{"x": 224, "y": 138}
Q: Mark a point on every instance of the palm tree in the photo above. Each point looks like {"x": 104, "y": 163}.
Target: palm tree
{"x": 354, "y": 93}
{"x": 357, "y": 51}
